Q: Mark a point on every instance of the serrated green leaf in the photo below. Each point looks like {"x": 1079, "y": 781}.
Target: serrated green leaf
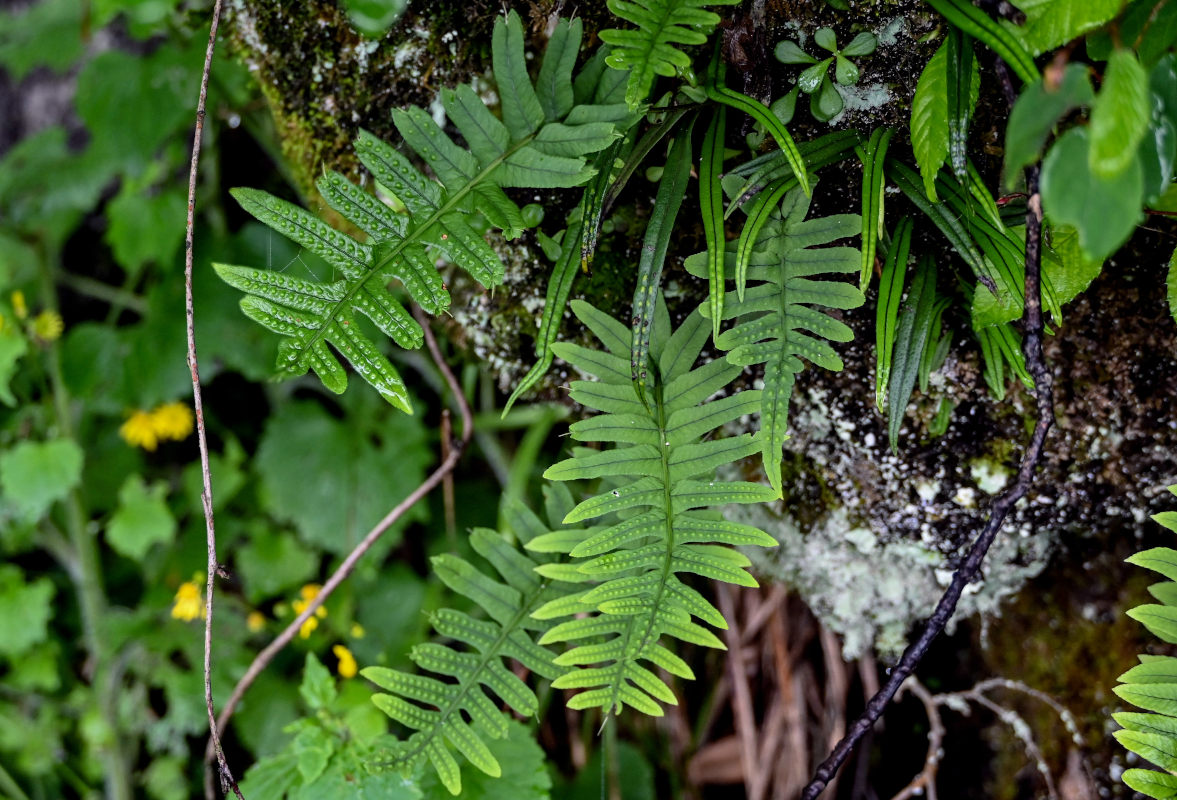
{"x": 35, "y": 475}
{"x": 143, "y": 519}
{"x": 929, "y": 119}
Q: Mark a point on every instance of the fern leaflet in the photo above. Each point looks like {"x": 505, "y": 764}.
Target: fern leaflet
{"x": 663, "y": 470}
{"x": 437, "y": 710}
{"x": 775, "y": 324}
{"x": 1152, "y": 684}
{"x": 649, "y": 51}
{"x": 540, "y": 141}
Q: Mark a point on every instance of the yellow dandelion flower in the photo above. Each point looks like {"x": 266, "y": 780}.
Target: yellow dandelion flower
{"x": 308, "y": 593}
{"x": 188, "y": 604}
{"x": 307, "y": 628}
{"x": 255, "y": 621}
{"x": 172, "y": 421}
{"x": 139, "y": 431}
{"x": 357, "y": 631}
{"x": 18, "y": 305}
{"x": 47, "y": 326}
{"x": 347, "y": 662}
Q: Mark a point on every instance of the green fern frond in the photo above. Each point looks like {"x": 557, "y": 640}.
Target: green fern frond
{"x": 1152, "y": 684}
{"x": 541, "y": 141}
{"x": 649, "y": 51}
{"x": 438, "y": 710}
{"x": 776, "y": 323}
{"x": 662, "y": 477}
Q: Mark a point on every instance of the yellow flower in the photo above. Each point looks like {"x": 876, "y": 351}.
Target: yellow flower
{"x": 47, "y": 326}
{"x": 18, "y": 305}
{"x": 357, "y": 630}
{"x": 255, "y": 621}
{"x": 139, "y": 431}
{"x": 188, "y": 605}
{"x": 308, "y": 593}
{"x": 347, "y": 662}
{"x": 172, "y": 421}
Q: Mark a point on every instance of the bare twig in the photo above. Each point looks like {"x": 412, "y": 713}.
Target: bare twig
{"x": 263, "y": 659}
{"x": 924, "y": 783}
{"x": 1036, "y": 365}
{"x": 206, "y": 495}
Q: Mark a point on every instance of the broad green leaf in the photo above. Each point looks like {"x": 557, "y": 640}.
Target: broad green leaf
{"x": 146, "y": 227}
{"x": 1104, "y": 211}
{"x": 1150, "y": 27}
{"x": 318, "y": 687}
{"x": 272, "y": 563}
{"x": 929, "y": 119}
{"x": 1119, "y": 117}
{"x": 333, "y": 480}
{"x": 25, "y": 611}
{"x": 1035, "y": 113}
{"x": 1158, "y": 559}
{"x": 35, "y": 475}
{"x": 25, "y": 30}
{"x": 1052, "y": 23}
{"x": 863, "y": 44}
{"x": 1171, "y": 282}
{"x": 142, "y": 519}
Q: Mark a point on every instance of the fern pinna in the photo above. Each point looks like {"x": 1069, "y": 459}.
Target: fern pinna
{"x": 648, "y": 50}
{"x": 660, "y": 479}
{"x": 541, "y": 141}
{"x": 776, "y": 324}
{"x": 1152, "y": 684}
{"x": 437, "y": 710}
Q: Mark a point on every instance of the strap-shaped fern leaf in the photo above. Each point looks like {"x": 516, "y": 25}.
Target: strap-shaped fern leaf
{"x": 438, "y": 710}
{"x": 540, "y": 141}
{"x": 1152, "y": 684}
{"x": 662, "y": 478}
{"x": 649, "y": 51}
{"x": 775, "y": 322}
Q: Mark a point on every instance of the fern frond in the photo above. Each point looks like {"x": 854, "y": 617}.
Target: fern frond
{"x": 438, "y": 710}
{"x": 775, "y": 323}
{"x": 541, "y": 141}
{"x": 649, "y": 51}
{"x": 1152, "y": 684}
{"x": 662, "y": 475}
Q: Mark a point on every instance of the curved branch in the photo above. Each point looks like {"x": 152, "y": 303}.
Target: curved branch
{"x": 263, "y": 659}
{"x": 1036, "y": 365}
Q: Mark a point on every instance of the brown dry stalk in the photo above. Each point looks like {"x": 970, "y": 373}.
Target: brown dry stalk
{"x": 206, "y": 495}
